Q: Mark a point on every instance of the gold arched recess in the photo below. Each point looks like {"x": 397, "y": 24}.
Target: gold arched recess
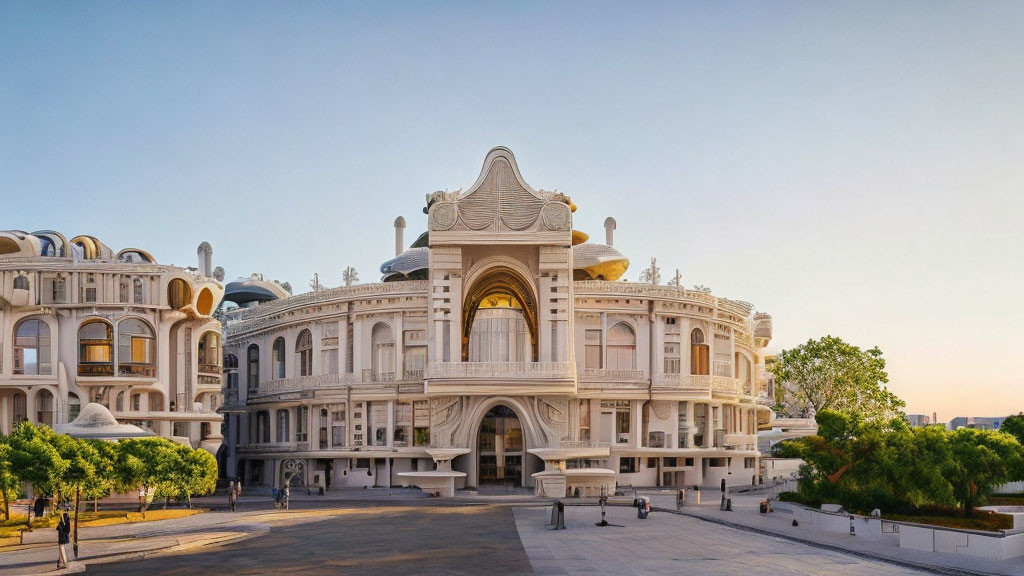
{"x": 179, "y": 294}
{"x": 499, "y": 280}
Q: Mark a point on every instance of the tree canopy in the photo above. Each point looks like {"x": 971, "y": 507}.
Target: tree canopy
{"x": 1014, "y": 425}
{"x": 830, "y": 374}
{"x": 59, "y": 465}
{"x": 867, "y": 463}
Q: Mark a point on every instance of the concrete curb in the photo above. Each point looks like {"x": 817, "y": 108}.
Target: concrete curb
{"x": 941, "y": 570}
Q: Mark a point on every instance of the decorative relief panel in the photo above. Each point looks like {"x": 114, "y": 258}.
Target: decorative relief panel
{"x": 445, "y": 416}
{"x": 553, "y": 415}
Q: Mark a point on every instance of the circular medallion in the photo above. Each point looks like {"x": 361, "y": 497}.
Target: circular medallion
{"x": 443, "y": 215}
{"x": 555, "y": 216}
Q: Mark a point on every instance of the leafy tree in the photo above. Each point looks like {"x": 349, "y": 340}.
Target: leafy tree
{"x": 980, "y": 460}
{"x": 830, "y": 374}
{"x": 35, "y": 460}
{"x": 10, "y": 485}
{"x": 1014, "y": 425}
{"x": 198, "y": 473}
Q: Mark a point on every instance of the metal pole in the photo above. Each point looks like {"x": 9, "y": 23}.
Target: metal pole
{"x": 78, "y": 493}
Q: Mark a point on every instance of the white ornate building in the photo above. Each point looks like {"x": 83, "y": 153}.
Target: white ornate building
{"x": 500, "y": 348}
{"x": 80, "y": 323}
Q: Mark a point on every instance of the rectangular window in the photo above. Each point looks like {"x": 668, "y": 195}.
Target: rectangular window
{"x": 592, "y": 347}
{"x": 329, "y": 361}
{"x": 627, "y": 465}
{"x": 139, "y": 298}
{"x": 302, "y": 424}
{"x": 622, "y": 421}
{"x": 652, "y": 462}
{"x": 671, "y": 358}
{"x": 136, "y": 402}
{"x": 748, "y": 462}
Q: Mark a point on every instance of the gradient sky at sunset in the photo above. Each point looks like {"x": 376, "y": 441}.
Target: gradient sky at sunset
{"x": 855, "y": 169}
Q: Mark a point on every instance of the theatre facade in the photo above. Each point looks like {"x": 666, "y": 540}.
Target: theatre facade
{"x": 501, "y": 347}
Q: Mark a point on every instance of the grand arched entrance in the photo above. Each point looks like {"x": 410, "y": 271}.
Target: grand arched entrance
{"x": 500, "y": 449}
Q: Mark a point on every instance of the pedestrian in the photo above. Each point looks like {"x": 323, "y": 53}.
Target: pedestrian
{"x": 287, "y": 495}
{"x": 142, "y": 501}
{"x": 39, "y": 506}
{"x": 63, "y": 537}
{"x": 277, "y": 498}
{"x": 239, "y": 487}
{"x": 232, "y": 497}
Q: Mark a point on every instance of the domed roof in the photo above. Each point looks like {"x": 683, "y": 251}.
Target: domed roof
{"x": 598, "y": 262}
{"x": 406, "y": 263}
{"x": 245, "y": 290}
{"x": 96, "y": 422}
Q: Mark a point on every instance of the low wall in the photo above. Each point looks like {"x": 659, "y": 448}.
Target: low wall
{"x": 1009, "y": 488}
{"x": 995, "y": 546}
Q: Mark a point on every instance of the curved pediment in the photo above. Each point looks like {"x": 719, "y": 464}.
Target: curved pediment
{"x": 501, "y": 202}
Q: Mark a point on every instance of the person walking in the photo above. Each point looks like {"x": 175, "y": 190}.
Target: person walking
{"x": 63, "y": 537}
{"x": 287, "y": 495}
{"x": 232, "y": 496}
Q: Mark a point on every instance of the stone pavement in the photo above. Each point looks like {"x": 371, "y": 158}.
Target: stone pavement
{"x": 746, "y": 516}
{"x": 672, "y": 544}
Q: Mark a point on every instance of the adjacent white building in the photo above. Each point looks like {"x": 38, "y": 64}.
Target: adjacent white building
{"x": 80, "y": 323}
{"x": 501, "y": 347}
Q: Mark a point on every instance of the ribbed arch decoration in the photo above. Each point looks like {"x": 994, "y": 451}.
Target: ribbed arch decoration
{"x": 505, "y": 281}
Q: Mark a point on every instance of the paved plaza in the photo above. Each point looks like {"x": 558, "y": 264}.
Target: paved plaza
{"x": 671, "y": 544}
{"x": 416, "y": 536}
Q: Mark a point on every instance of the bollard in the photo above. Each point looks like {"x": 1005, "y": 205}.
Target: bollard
{"x": 728, "y": 505}
{"x": 554, "y": 516}
{"x": 561, "y": 515}
{"x": 697, "y": 491}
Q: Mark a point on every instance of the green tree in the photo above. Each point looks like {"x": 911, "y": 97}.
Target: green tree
{"x": 10, "y": 485}
{"x": 1014, "y": 425}
{"x": 981, "y": 459}
{"x": 830, "y": 374}
{"x": 35, "y": 459}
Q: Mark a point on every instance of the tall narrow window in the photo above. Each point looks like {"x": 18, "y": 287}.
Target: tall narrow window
{"x": 301, "y": 423}
{"x": 122, "y": 290}
{"x": 44, "y": 407}
{"x": 137, "y": 294}
{"x": 32, "y": 347}
{"x": 95, "y": 346}
{"x": 282, "y": 426}
{"x": 277, "y": 358}
{"x": 592, "y": 349}
{"x": 304, "y": 352}
{"x": 383, "y": 346}
{"x": 135, "y": 348}
{"x": 253, "y": 368}
{"x": 699, "y": 354}
{"x": 621, "y": 347}
{"x": 671, "y": 358}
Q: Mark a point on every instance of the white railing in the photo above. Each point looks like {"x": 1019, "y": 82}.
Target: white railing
{"x": 638, "y": 289}
{"x": 722, "y": 368}
{"x": 320, "y": 296}
{"x": 682, "y": 382}
{"x": 503, "y": 370}
{"x": 577, "y": 444}
{"x": 725, "y": 385}
{"x": 605, "y": 375}
{"x": 304, "y": 383}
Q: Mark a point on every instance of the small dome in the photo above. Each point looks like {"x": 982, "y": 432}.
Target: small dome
{"x": 245, "y": 290}
{"x": 598, "y": 262}
{"x": 96, "y": 422}
{"x": 406, "y": 264}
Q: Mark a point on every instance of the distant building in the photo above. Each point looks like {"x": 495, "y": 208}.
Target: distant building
{"x": 918, "y": 420}
{"x": 979, "y": 422}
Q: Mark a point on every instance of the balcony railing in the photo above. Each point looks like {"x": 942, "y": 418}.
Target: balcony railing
{"x": 723, "y": 368}
{"x": 210, "y": 368}
{"x": 500, "y": 370}
{"x": 136, "y": 370}
{"x": 382, "y": 377}
{"x": 682, "y": 382}
{"x": 95, "y": 369}
{"x": 725, "y": 385}
{"x": 606, "y": 375}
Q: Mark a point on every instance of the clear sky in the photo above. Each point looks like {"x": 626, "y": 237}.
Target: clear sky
{"x": 854, "y": 169}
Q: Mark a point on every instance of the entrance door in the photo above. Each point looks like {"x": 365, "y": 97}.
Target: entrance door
{"x": 500, "y": 448}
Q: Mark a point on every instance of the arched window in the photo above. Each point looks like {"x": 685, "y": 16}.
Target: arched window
{"x": 21, "y": 283}
{"x": 179, "y": 294}
{"x": 32, "y": 347}
{"x": 700, "y": 354}
{"x": 282, "y": 426}
{"x": 119, "y": 403}
{"x": 500, "y": 332}
{"x": 621, "y": 347}
{"x": 277, "y": 359}
{"x": 383, "y": 342}
{"x": 95, "y": 345}
{"x": 137, "y": 291}
{"x": 304, "y": 352}
{"x": 122, "y": 292}
{"x": 136, "y": 349}
{"x": 209, "y": 353}
{"x": 44, "y": 407}
{"x": 743, "y": 372}
{"x": 74, "y": 406}
{"x": 253, "y": 369}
